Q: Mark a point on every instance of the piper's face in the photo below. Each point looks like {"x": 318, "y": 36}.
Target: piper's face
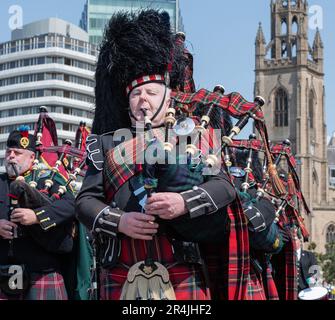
{"x": 23, "y": 159}
{"x": 149, "y": 97}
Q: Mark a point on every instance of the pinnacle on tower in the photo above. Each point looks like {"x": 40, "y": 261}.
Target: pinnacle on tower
{"x": 260, "y": 39}
{"x": 318, "y": 50}
{"x": 317, "y": 40}
{"x": 260, "y": 45}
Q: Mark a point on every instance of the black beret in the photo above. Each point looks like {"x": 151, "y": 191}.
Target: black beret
{"x": 21, "y": 139}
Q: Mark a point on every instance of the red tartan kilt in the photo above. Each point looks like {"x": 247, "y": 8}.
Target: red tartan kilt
{"x": 187, "y": 280}
{"x": 255, "y": 287}
{"x": 270, "y": 287}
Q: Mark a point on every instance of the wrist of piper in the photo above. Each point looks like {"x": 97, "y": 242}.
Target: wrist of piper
{"x": 107, "y": 221}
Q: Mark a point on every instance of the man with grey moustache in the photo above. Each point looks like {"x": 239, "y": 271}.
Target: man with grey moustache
{"x": 32, "y": 240}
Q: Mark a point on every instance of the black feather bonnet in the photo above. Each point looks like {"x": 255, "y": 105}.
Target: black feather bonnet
{"x": 135, "y": 46}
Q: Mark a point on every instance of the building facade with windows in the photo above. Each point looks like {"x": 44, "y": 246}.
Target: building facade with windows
{"x": 47, "y": 63}
{"x": 97, "y": 13}
{"x": 289, "y": 74}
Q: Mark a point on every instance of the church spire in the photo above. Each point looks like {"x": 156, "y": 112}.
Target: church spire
{"x": 260, "y": 39}
{"x": 260, "y": 45}
{"x": 318, "y": 44}
{"x": 318, "y": 50}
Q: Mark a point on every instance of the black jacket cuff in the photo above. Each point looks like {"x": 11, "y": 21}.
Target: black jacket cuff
{"x": 107, "y": 221}
{"x": 199, "y": 202}
{"x": 46, "y": 222}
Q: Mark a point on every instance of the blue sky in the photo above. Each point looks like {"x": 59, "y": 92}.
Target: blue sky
{"x": 220, "y": 33}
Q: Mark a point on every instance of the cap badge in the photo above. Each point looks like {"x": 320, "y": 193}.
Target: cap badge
{"x": 24, "y": 142}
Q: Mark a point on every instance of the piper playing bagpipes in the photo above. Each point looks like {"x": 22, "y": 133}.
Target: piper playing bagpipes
{"x": 275, "y": 221}
{"x": 168, "y": 230}
{"x": 34, "y": 230}
{"x": 139, "y": 64}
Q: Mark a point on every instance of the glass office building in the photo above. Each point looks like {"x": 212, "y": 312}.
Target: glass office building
{"x": 47, "y": 63}
{"x": 97, "y": 12}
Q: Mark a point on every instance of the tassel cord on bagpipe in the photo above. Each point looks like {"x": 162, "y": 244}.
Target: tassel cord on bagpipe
{"x": 261, "y": 191}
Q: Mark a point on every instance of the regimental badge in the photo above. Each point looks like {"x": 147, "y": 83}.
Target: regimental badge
{"x": 24, "y": 142}
{"x": 276, "y": 244}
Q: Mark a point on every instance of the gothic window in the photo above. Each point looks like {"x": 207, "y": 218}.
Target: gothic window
{"x": 294, "y": 49}
{"x": 330, "y": 236}
{"x": 285, "y": 3}
{"x": 284, "y": 49}
{"x": 281, "y": 109}
{"x": 294, "y": 25}
{"x": 283, "y": 26}
{"x": 311, "y": 103}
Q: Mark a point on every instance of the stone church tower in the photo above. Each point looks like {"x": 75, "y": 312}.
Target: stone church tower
{"x": 290, "y": 76}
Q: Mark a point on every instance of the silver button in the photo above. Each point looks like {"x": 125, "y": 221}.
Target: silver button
{"x": 106, "y": 212}
{"x": 97, "y": 230}
{"x": 203, "y": 195}
{"x": 195, "y": 188}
